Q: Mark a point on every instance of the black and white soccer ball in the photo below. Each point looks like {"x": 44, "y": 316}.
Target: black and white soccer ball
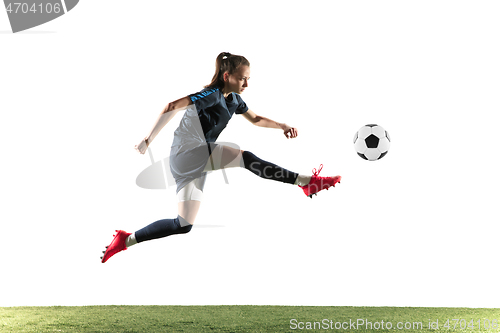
{"x": 372, "y": 142}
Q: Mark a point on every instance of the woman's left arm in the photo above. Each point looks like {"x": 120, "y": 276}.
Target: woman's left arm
{"x": 290, "y": 132}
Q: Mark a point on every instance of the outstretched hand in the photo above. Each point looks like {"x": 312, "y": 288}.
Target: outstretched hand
{"x": 290, "y": 132}
{"x": 142, "y": 147}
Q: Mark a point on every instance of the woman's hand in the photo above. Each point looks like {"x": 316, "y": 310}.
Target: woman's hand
{"x": 290, "y": 132}
{"x": 143, "y": 146}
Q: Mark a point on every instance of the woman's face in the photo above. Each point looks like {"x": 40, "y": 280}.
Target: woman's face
{"x": 238, "y": 81}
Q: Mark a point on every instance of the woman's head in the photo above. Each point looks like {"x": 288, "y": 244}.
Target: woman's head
{"x": 231, "y": 73}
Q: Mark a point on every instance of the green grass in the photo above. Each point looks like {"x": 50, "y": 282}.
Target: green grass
{"x": 143, "y": 319}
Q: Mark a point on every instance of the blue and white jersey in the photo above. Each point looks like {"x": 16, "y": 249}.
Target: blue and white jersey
{"x": 210, "y": 113}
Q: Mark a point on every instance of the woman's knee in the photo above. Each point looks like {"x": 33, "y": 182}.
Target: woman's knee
{"x": 231, "y": 157}
{"x": 185, "y": 224}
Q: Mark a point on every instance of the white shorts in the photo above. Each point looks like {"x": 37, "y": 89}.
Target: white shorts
{"x": 192, "y": 190}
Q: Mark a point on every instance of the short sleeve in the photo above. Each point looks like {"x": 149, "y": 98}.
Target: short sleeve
{"x": 242, "y": 106}
{"x": 205, "y": 98}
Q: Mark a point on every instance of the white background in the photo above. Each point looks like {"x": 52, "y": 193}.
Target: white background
{"x": 417, "y": 228}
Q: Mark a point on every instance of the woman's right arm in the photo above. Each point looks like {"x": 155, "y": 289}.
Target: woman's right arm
{"x": 178, "y": 105}
{"x": 165, "y": 116}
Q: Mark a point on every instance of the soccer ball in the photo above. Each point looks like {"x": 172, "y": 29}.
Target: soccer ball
{"x": 372, "y": 142}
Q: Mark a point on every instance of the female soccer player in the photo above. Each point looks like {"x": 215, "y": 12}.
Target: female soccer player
{"x": 194, "y": 150}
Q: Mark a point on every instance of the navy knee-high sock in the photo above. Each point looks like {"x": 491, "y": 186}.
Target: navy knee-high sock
{"x": 161, "y": 228}
{"x": 267, "y": 170}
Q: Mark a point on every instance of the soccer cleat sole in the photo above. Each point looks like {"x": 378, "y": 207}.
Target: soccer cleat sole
{"x": 316, "y": 193}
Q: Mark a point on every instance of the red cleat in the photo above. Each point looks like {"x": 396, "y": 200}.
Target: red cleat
{"x": 117, "y": 245}
{"x": 319, "y": 183}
